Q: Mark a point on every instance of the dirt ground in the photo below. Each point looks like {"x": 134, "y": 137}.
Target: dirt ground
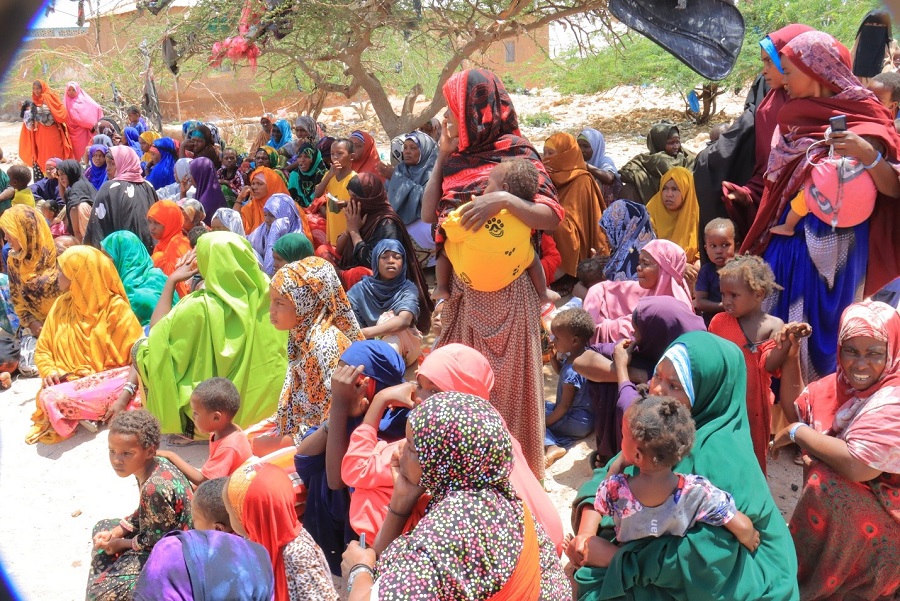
{"x": 53, "y": 495}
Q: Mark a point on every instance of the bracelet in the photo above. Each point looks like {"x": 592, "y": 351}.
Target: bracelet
{"x": 397, "y": 513}
{"x": 356, "y": 571}
{"x": 793, "y": 430}
{"x": 873, "y": 163}
{"x": 131, "y": 388}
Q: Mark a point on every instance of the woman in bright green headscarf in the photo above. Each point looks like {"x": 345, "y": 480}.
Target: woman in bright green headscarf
{"x": 143, "y": 282}
{"x": 221, "y": 330}
{"x": 708, "y": 562}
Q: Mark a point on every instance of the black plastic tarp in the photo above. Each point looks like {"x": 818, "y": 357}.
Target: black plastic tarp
{"x": 706, "y": 35}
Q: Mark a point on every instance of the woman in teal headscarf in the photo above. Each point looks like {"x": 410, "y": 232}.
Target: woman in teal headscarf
{"x": 220, "y": 330}
{"x": 309, "y": 172}
{"x": 289, "y": 248}
{"x": 708, "y": 562}
{"x": 143, "y": 282}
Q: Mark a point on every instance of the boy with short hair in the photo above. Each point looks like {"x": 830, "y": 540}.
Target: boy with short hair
{"x": 214, "y": 404}
{"x": 718, "y": 240}
{"x": 208, "y": 509}
{"x": 19, "y": 178}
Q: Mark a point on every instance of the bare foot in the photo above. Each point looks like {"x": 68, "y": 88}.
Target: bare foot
{"x": 782, "y": 230}
{"x": 549, "y": 297}
{"x": 553, "y": 454}
{"x": 440, "y": 293}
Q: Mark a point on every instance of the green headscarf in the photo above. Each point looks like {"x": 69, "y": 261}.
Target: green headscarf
{"x": 220, "y": 330}
{"x": 709, "y": 562}
{"x": 293, "y": 247}
{"x": 143, "y": 282}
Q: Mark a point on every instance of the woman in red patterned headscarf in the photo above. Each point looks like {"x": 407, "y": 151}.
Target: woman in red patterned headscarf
{"x": 480, "y": 130}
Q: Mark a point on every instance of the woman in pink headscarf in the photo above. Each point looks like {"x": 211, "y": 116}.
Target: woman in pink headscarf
{"x": 83, "y": 115}
{"x": 367, "y": 463}
{"x": 660, "y": 272}
{"x": 123, "y": 201}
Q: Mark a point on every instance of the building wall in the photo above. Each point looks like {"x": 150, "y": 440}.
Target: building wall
{"x": 519, "y": 58}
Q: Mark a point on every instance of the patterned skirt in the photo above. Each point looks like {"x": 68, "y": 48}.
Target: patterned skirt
{"x": 505, "y": 327}
{"x": 847, "y": 537}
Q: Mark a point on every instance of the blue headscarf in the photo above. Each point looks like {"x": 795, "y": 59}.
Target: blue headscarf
{"x": 406, "y": 186}
{"x": 287, "y": 221}
{"x": 327, "y": 510}
{"x": 373, "y": 296}
{"x": 599, "y": 159}
{"x": 163, "y": 173}
{"x": 379, "y": 361}
{"x": 96, "y": 175}
{"x": 286, "y": 136}
{"x": 628, "y": 228}
{"x": 133, "y": 137}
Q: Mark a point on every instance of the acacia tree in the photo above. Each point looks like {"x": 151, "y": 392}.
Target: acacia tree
{"x": 346, "y": 46}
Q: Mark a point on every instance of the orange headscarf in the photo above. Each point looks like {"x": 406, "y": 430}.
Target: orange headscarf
{"x": 174, "y": 244}
{"x": 582, "y": 200}
{"x": 262, "y": 498}
{"x": 52, "y": 100}
{"x": 252, "y": 212}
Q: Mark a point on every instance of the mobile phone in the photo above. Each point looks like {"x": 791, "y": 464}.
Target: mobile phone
{"x": 362, "y": 540}
{"x": 838, "y": 123}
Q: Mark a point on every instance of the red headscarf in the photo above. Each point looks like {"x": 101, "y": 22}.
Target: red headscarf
{"x": 368, "y": 159}
{"x": 803, "y": 121}
{"x": 262, "y": 498}
{"x": 488, "y": 133}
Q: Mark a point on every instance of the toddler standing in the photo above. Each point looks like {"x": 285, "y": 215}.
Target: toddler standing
{"x": 718, "y": 240}
{"x": 745, "y": 282}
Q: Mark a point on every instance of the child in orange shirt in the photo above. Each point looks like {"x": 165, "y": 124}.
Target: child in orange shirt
{"x": 214, "y": 404}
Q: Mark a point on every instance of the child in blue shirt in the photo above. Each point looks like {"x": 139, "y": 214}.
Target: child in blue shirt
{"x": 571, "y": 417}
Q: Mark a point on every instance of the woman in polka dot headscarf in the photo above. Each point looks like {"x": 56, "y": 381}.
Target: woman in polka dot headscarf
{"x": 477, "y": 539}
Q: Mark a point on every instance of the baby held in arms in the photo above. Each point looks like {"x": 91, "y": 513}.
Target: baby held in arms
{"x": 657, "y": 433}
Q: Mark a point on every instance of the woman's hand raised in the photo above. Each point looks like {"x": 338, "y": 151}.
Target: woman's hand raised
{"x": 186, "y": 268}
{"x": 355, "y": 219}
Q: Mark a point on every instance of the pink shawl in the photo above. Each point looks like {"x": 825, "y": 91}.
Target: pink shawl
{"x": 128, "y": 165}
{"x": 672, "y": 261}
{"x": 459, "y": 368}
{"x": 611, "y": 305}
{"x": 83, "y": 110}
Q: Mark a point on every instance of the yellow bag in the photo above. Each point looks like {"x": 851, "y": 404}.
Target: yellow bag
{"x": 492, "y": 257}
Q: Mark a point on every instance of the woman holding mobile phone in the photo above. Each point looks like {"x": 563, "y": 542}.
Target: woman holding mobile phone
{"x": 823, "y": 269}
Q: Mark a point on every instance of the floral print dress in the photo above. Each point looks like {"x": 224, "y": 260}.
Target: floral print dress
{"x": 165, "y": 505}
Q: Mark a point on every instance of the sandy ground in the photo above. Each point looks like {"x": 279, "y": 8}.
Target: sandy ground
{"x": 53, "y": 495}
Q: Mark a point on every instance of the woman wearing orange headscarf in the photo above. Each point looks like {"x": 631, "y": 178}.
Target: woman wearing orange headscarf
{"x": 165, "y": 220}
{"x": 51, "y": 138}
{"x": 264, "y": 182}
{"x": 260, "y": 502}
{"x": 84, "y": 349}
{"x": 582, "y": 200}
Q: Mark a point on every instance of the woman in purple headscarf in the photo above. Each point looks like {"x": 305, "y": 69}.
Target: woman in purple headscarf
{"x": 206, "y": 184}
